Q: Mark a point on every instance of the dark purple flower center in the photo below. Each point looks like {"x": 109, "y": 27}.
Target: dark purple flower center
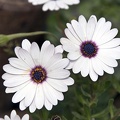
{"x": 89, "y": 49}
{"x": 38, "y": 74}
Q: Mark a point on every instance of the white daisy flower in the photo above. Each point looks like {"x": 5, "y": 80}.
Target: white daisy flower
{"x": 54, "y": 4}
{"x": 91, "y": 46}
{"x": 37, "y": 76}
{"x": 14, "y": 116}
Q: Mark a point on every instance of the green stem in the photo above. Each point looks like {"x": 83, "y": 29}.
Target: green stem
{"x": 6, "y": 38}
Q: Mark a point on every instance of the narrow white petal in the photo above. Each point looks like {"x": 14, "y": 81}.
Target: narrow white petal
{"x": 59, "y": 64}
{"x": 13, "y": 114}
{"x": 107, "y": 60}
{"x": 71, "y": 64}
{"x": 30, "y": 95}
{"x": 22, "y": 105}
{"x": 72, "y": 34}
{"x": 85, "y": 68}
{"x": 12, "y": 70}
{"x": 32, "y": 107}
{"x": 68, "y": 81}
{"x": 18, "y": 63}
{"x": 104, "y": 29}
{"x": 79, "y": 64}
{"x": 105, "y": 67}
{"x": 26, "y": 57}
{"x": 108, "y": 36}
{"x": 72, "y": 37}
{"x": 78, "y": 29}
{"x": 19, "y": 95}
{"x": 83, "y": 23}
{"x": 53, "y": 59}
{"x": 91, "y": 27}
{"x": 111, "y": 44}
{"x": 99, "y": 25}
{"x": 68, "y": 45}
{"x": 59, "y": 74}
{"x": 39, "y": 97}
{"x": 35, "y": 52}
{"x": 97, "y": 68}
{"x": 16, "y": 117}
{"x": 47, "y": 54}
{"x": 49, "y": 93}
{"x": 26, "y": 45}
{"x": 48, "y": 105}
{"x": 57, "y": 84}
{"x": 92, "y": 73}
{"x": 17, "y": 80}
{"x": 16, "y": 88}
{"x": 25, "y": 117}
{"x": 59, "y": 49}
{"x": 74, "y": 55}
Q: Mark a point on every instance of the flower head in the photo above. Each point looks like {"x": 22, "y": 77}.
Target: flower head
{"x": 37, "y": 76}
{"x": 54, "y": 4}
{"x": 14, "y": 116}
{"x": 91, "y": 46}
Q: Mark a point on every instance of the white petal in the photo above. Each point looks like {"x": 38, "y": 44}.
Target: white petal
{"x": 99, "y": 25}
{"x": 19, "y": 95}
{"x": 68, "y": 81}
{"x": 85, "y": 68}
{"x": 22, "y": 105}
{"x": 79, "y": 64}
{"x": 105, "y": 67}
{"x": 113, "y": 43}
{"x": 92, "y": 73}
{"x": 97, "y": 68}
{"x": 59, "y": 49}
{"x": 26, "y": 57}
{"x": 30, "y": 95}
{"x": 71, "y": 64}
{"x": 26, "y": 45}
{"x": 57, "y": 84}
{"x": 74, "y": 55}
{"x": 6, "y": 117}
{"x": 17, "y": 80}
{"x": 113, "y": 52}
{"x": 59, "y": 74}
{"x": 39, "y": 97}
{"x": 16, "y": 117}
{"x": 25, "y": 117}
{"x": 68, "y": 45}
{"x": 83, "y": 23}
{"x": 49, "y": 93}
{"x": 35, "y": 52}
{"x": 48, "y": 105}
{"x": 18, "y": 63}
{"x": 107, "y": 59}
{"x": 47, "y": 54}
{"x": 32, "y": 107}
{"x": 13, "y": 114}
{"x": 54, "y": 59}
{"x": 9, "y": 69}
{"x": 91, "y": 27}
{"x": 59, "y": 64}
{"x": 71, "y": 36}
{"x": 78, "y": 29}
{"x": 108, "y": 36}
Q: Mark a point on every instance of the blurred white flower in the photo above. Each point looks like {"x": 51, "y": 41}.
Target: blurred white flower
{"x": 14, "y": 116}
{"x": 91, "y": 46}
{"x": 54, "y": 4}
{"x": 37, "y": 76}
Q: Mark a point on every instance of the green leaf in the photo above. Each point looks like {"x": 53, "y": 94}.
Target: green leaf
{"x": 77, "y": 115}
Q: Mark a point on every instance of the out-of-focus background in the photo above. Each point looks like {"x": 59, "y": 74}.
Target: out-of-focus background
{"x": 18, "y": 16}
